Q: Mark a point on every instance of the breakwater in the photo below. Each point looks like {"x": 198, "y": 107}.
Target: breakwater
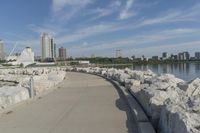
{"x": 21, "y": 84}
{"x": 172, "y": 104}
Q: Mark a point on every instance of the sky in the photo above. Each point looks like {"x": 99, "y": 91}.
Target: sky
{"x": 100, "y": 27}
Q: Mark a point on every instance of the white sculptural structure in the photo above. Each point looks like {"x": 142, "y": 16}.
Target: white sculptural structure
{"x": 26, "y": 58}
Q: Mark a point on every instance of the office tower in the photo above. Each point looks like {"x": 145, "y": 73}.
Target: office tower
{"x": 180, "y": 56}
{"x": 164, "y": 55}
{"x": 48, "y": 47}
{"x": 155, "y": 58}
{"x": 186, "y": 55}
{"x": 62, "y": 53}
{"x": 197, "y": 55}
{"x": 53, "y": 48}
{"x": 2, "y": 54}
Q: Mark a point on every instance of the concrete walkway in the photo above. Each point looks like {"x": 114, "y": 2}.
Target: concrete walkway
{"x": 82, "y": 104}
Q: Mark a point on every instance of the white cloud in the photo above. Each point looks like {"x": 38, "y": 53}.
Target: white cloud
{"x": 101, "y": 12}
{"x": 124, "y": 14}
{"x": 178, "y": 15}
{"x": 66, "y": 9}
{"x": 46, "y": 28}
{"x": 87, "y": 32}
{"x": 98, "y": 13}
{"x": 58, "y": 5}
{"x": 116, "y": 3}
{"x": 164, "y": 18}
{"x": 132, "y": 43}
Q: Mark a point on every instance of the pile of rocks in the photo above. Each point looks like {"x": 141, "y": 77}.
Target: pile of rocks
{"x": 43, "y": 79}
{"x": 173, "y": 105}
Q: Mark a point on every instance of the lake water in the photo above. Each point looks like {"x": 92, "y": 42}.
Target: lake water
{"x": 185, "y": 71}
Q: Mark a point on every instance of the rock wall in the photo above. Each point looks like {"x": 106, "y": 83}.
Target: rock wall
{"x": 172, "y": 104}
{"x": 19, "y": 90}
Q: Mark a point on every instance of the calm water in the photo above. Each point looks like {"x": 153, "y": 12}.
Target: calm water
{"x": 186, "y": 71}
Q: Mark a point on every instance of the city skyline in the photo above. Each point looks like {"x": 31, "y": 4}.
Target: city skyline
{"x": 101, "y": 27}
{"x": 184, "y": 55}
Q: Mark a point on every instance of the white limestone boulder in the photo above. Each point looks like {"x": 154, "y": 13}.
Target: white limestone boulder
{"x": 132, "y": 82}
{"x": 10, "y": 95}
{"x": 193, "y": 88}
{"x": 155, "y": 92}
{"x": 182, "y": 117}
{"x": 171, "y": 79}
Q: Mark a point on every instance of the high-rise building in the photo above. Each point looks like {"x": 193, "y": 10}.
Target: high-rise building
{"x": 62, "y": 53}
{"x": 165, "y": 55}
{"x": 186, "y": 55}
{"x": 197, "y": 55}
{"x": 180, "y": 56}
{"x": 174, "y": 57}
{"x": 155, "y": 58}
{"x": 48, "y": 47}
{"x": 2, "y": 53}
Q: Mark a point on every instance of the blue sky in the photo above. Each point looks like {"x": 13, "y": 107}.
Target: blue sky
{"x": 99, "y": 27}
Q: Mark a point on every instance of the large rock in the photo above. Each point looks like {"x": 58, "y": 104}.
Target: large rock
{"x": 193, "y": 88}
{"x": 156, "y": 90}
{"x": 43, "y": 79}
{"x": 10, "y": 95}
{"x": 132, "y": 82}
{"x": 183, "y": 117}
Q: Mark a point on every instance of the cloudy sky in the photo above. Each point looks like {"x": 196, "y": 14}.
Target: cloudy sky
{"x": 99, "y": 27}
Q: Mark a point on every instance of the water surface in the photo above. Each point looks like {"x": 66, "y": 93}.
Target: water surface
{"x": 185, "y": 71}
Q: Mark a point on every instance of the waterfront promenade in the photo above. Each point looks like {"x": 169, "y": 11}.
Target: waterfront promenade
{"x": 82, "y": 103}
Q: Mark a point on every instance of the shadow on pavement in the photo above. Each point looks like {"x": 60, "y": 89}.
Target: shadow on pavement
{"x": 122, "y": 104}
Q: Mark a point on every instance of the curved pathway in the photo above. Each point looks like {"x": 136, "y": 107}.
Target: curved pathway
{"x": 82, "y": 103}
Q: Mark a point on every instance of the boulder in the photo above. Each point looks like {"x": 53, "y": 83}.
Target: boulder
{"x": 183, "y": 117}
{"x": 132, "y": 82}
{"x": 193, "y": 87}
{"x": 10, "y": 95}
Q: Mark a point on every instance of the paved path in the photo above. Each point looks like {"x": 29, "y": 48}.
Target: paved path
{"x": 82, "y": 104}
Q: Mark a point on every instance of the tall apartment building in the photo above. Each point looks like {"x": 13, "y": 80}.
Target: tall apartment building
{"x": 197, "y": 55}
{"x": 48, "y": 47}
{"x": 2, "y": 53}
{"x": 165, "y": 55}
{"x": 184, "y": 56}
{"x": 62, "y": 53}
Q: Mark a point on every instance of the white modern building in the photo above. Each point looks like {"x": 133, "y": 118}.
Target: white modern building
{"x": 48, "y": 47}
{"x": 2, "y": 53}
{"x": 26, "y": 58}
